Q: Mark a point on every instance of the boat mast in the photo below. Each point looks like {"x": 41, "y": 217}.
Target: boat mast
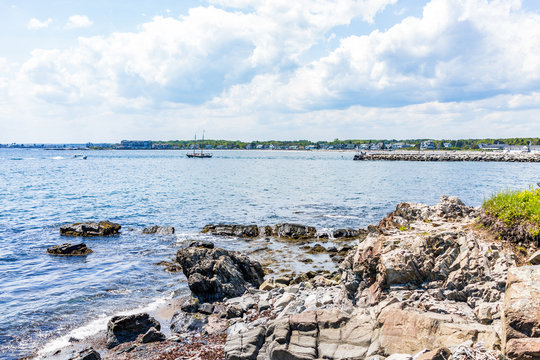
{"x": 202, "y": 143}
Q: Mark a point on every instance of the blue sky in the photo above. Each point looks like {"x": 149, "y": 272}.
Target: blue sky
{"x": 77, "y": 71}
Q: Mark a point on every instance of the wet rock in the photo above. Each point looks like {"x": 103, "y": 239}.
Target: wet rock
{"x": 521, "y": 308}
{"x": 169, "y": 266}
{"x": 243, "y": 231}
{"x": 268, "y": 284}
{"x": 87, "y": 354}
{"x": 345, "y": 233}
{"x": 182, "y": 323}
{"x": 317, "y": 249}
{"x": 160, "y": 230}
{"x": 295, "y": 231}
{"x": 122, "y": 329}
{"x": 206, "y": 308}
{"x": 69, "y": 250}
{"x": 215, "y": 274}
{"x": 202, "y": 244}
{"x": 152, "y": 335}
{"x": 102, "y": 228}
{"x": 234, "y": 311}
{"x": 189, "y": 304}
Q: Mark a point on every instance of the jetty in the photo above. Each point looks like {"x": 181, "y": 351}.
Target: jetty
{"x": 449, "y": 156}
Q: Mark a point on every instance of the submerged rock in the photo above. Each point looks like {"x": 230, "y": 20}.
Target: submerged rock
{"x": 345, "y": 233}
{"x": 243, "y": 231}
{"x": 160, "y": 230}
{"x": 69, "y": 250}
{"x": 102, "y": 228}
{"x": 121, "y": 329}
{"x": 215, "y": 274}
{"x": 295, "y": 231}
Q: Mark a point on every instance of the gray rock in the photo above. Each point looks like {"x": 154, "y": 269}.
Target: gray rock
{"x": 215, "y": 274}
{"x": 201, "y": 243}
{"x": 182, "y": 322}
{"x": 206, "y": 308}
{"x": 295, "y": 231}
{"x": 69, "y": 250}
{"x": 160, "y": 230}
{"x": 245, "y": 346}
{"x": 535, "y": 258}
{"x": 122, "y": 329}
{"x": 102, "y": 228}
{"x": 345, "y": 233}
{"x": 152, "y": 335}
{"x": 243, "y": 231}
{"x": 87, "y": 354}
{"x": 234, "y": 311}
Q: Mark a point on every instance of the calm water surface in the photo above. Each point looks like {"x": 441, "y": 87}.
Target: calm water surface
{"x": 44, "y": 297}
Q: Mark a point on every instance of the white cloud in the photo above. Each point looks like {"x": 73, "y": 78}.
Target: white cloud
{"x": 35, "y": 24}
{"x": 78, "y": 21}
{"x": 472, "y": 66}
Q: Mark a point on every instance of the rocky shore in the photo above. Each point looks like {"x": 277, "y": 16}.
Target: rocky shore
{"x": 449, "y": 156}
{"x": 426, "y": 283}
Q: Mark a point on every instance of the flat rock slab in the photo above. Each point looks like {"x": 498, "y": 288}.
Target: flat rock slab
{"x": 69, "y": 250}
{"x": 102, "y": 228}
{"x": 243, "y": 231}
{"x": 160, "y": 230}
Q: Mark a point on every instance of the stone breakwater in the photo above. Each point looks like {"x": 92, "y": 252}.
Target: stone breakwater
{"x": 448, "y": 156}
{"x": 424, "y": 284}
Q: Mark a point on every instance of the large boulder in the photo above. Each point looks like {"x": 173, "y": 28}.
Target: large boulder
{"x": 214, "y": 274}
{"x": 121, "y": 329}
{"x": 242, "y": 231}
{"x": 521, "y": 313}
{"x": 69, "y": 250}
{"x": 295, "y": 231}
{"x": 102, "y": 228}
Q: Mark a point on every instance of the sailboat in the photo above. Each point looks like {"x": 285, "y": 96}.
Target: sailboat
{"x": 200, "y": 154}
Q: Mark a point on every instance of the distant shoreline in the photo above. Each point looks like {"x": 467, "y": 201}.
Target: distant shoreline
{"x": 463, "y": 155}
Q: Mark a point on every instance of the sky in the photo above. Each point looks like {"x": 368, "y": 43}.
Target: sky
{"x": 103, "y": 71}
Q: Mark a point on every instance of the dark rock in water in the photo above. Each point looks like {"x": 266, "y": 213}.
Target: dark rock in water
{"x": 87, "y": 354}
{"x": 215, "y": 274}
{"x": 170, "y": 266}
{"x": 201, "y": 243}
{"x": 243, "y": 231}
{"x": 295, "y": 231}
{"x": 152, "y": 335}
{"x": 121, "y": 329}
{"x": 69, "y": 250}
{"x": 103, "y": 228}
{"x": 268, "y": 230}
{"x": 160, "y": 230}
{"x": 182, "y": 322}
{"x": 345, "y": 233}
{"x": 317, "y": 249}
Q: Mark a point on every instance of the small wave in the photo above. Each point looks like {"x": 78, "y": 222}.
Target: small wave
{"x": 333, "y": 216}
{"x": 16, "y": 158}
{"x": 58, "y": 158}
{"x": 92, "y": 328}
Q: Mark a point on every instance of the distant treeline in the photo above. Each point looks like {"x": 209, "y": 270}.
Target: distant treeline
{"x": 337, "y": 143}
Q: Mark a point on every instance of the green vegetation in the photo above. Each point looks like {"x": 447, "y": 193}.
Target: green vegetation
{"x": 519, "y": 211}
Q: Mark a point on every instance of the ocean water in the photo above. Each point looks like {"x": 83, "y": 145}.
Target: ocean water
{"x": 43, "y": 297}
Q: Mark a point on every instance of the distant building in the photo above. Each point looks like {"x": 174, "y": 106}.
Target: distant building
{"x": 447, "y": 145}
{"x": 427, "y": 145}
{"x": 136, "y": 144}
{"x": 492, "y": 146}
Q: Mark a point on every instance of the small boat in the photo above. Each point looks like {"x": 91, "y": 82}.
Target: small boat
{"x": 200, "y": 154}
{"x": 79, "y": 156}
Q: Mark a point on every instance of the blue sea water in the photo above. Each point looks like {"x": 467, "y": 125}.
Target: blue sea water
{"x": 44, "y": 297}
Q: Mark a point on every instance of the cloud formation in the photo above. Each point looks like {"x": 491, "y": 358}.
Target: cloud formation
{"x": 78, "y": 21}
{"x": 35, "y": 24}
{"x": 280, "y": 68}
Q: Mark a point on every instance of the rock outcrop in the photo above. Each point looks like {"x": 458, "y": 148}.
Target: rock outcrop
{"x": 160, "y": 230}
{"x": 69, "y": 250}
{"x": 102, "y": 228}
{"x": 214, "y": 274}
{"x": 521, "y": 313}
{"x": 295, "y": 231}
{"x": 242, "y": 231}
{"x": 122, "y": 329}
{"x": 87, "y": 354}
